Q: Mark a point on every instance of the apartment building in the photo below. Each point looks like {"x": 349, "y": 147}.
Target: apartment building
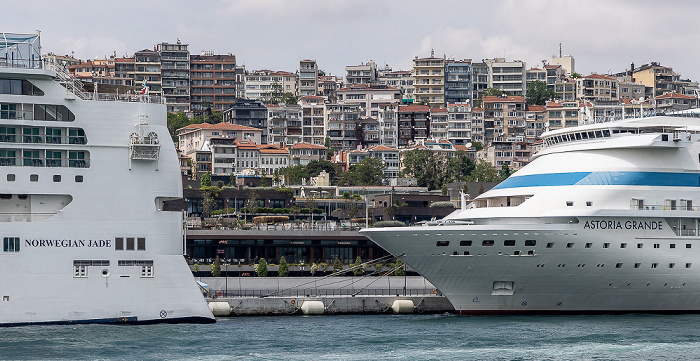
{"x": 368, "y": 132}
{"x": 194, "y": 136}
{"x": 212, "y": 82}
{"x": 438, "y": 123}
{"x": 480, "y": 79}
{"x": 597, "y": 87}
{"x": 124, "y": 70}
{"x": 273, "y": 158}
{"x": 175, "y": 75}
{"x": 284, "y": 124}
{"x": 303, "y": 153}
{"x": 567, "y": 63}
{"x": 259, "y": 83}
{"x": 414, "y": 124}
{"x": 565, "y": 89}
{"x": 313, "y": 126}
{"x": 429, "y": 80}
{"x": 249, "y": 113}
{"x": 670, "y": 102}
{"x": 342, "y": 122}
{"x": 535, "y": 116}
{"x": 147, "y": 70}
{"x": 402, "y": 80}
{"x": 478, "y": 130}
{"x": 388, "y": 123}
{"x": 504, "y": 119}
{"x": 458, "y": 81}
{"x": 361, "y": 74}
{"x": 631, "y": 90}
{"x": 327, "y": 87}
{"x": 308, "y": 77}
{"x": 659, "y": 79}
{"x": 507, "y": 76}
{"x": 459, "y": 127}
{"x": 563, "y": 114}
{"x": 369, "y": 97}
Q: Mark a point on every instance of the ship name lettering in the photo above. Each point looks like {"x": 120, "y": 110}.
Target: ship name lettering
{"x": 63, "y": 243}
{"x": 629, "y": 225}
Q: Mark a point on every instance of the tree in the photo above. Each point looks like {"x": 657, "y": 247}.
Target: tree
{"x": 483, "y": 172}
{"x": 314, "y": 168}
{"x": 277, "y": 95}
{"x": 576, "y": 75}
{"x": 283, "y": 268}
{"x": 369, "y": 172}
{"x": 359, "y": 269}
{"x": 337, "y": 266}
{"x": 478, "y": 146}
{"x": 504, "y": 172}
{"x": 425, "y": 166}
{"x": 488, "y": 92}
{"x": 329, "y": 150}
{"x": 458, "y": 167}
{"x": 294, "y": 174}
{"x": 205, "y": 181}
{"x": 216, "y": 267}
{"x": 261, "y": 268}
{"x": 252, "y": 200}
{"x": 538, "y": 93}
{"x": 209, "y": 195}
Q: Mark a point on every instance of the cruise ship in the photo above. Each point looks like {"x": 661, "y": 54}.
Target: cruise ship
{"x": 87, "y": 184}
{"x": 604, "y": 219}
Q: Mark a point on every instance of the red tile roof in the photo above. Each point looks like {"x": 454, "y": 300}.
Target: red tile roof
{"x": 221, "y": 126}
{"x": 598, "y": 76}
{"x": 414, "y": 108}
{"x": 382, "y": 148}
{"x": 438, "y": 110}
{"x": 535, "y": 108}
{"x": 675, "y": 95}
{"x": 306, "y": 146}
{"x": 507, "y": 99}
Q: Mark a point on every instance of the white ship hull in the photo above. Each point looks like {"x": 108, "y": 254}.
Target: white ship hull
{"x": 606, "y": 225}
{"x": 84, "y": 230}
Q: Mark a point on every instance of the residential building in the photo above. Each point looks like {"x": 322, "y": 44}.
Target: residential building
{"x": 480, "y": 79}
{"x": 369, "y": 97}
{"x": 565, "y": 89}
{"x": 247, "y": 156}
{"x": 563, "y": 114}
{"x": 342, "y": 121}
{"x": 367, "y": 133}
{"x": 388, "y": 123}
{"x": 313, "y": 126}
{"x": 308, "y": 77}
{"x": 327, "y": 87}
{"x": 212, "y": 82}
{"x": 258, "y": 83}
{"x": 175, "y": 75}
{"x": 194, "y": 136}
{"x": 147, "y": 70}
{"x": 535, "y": 74}
{"x": 597, "y": 87}
{"x": 459, "y": 127}
{"x": 303, "y": 153}
{"x": 250, "y": 113}
{"x": 429, "y": 80}
{"x": 507, "y": 76}
{"x": 65, "y": 60}
{"x": 414, "y": 124}
{"x": 478, "y": 130}
{"x": 124, "y": 70}
{"x": 399, "y": 79}
{"x": 273, "y": 158}
{"x": 631, "y": 90}
{"x": 504, "y": 119}
{"x": 670, "y": 102}
{"x": 458, "y": 81}
{"x": 284, "y": 124}
{"x": 223, "y": 156}
{"x": 390, "y": 156}
{"x": 567, "y": 63}
{"x": 658, "y": 79}
{"x": 534, "y": 122}
{"x": 438, "y": 123}
{"x": 361, "y": 74}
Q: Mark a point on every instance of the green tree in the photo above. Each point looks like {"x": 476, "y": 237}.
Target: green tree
{"x": 458, "y": 167}
{"x": 283, "y": 268}
{"x": 205, "y": 180}
{"x": 488, "y": 92}
{"x": 478, "y": 146}
{"x": 216, "y": 267}
{"x": 576, "y": 75}
{"x": 359, "y": 269}
{"x": 425, "y": 166}
{"x": 369, "y": 172}
{"x": 261, "y": 268}
{"x": 538, "y": 93}
{"x": 483, "y": 172}
{"x": 398, "y": 267}
{"x": 294, "y": 174}
{"x": 337, "y": 266}
{"x": 314, "y": 168}
{"x": 504, "y": 172}
{"x": 175, "y": 122}
{"x": 329, "y": 150}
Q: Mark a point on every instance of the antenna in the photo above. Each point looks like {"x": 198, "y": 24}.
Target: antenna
{"x": 560, "y": 50}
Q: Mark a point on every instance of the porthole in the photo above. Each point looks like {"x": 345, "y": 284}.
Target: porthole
{"x": 105, "y": 272}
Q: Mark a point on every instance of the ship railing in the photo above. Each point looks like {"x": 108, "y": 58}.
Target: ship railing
{"x": 662, "y": 207}
{"x": 25, "y": 217}
{"x": 312, "y": 292}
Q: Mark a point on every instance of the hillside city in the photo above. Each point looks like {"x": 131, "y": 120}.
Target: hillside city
{"x": 444, "y": 120}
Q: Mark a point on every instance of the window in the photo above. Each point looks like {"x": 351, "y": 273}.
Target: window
{"x": 654, "y": 265}
{"x": 442, "y": 243}
{"x": 569, "y": 203}
{"x": 487, "y": 243}
{"x": 672, "y": 245}
{"x": 80, "y": 271}
{"x": 687, "y": 265}
{"x": 589, "y": 245}
{"x": 623, "y": 245}
{"x": 640, "y": 245}
{"x": 466, "y": 253}
{"x": 589, "y": 204}
{"x": 606, "y": 245}
{"x": 79, "y": 179}
{"x": 130, "y": 243}
{"x": 509, "y": 243}
{"x": 56, "y": 177}
{"x": 618, "y": 265}
{"x": 688, "y": 245}
{"x": 637, "y": 265}
{"x": 550, "y": 245}
{"x": 569, "y": 245}
{"x": 465, "y": 243}
{"x": 141, "y": 244}
{"x": 656, "y": 245}
{"x": 530, "y": 243}
{"x": 10, "y": 177}
{"x": 119, "y": 243}
{"x": 10, "y": 244}
{"x": 671, "y": 265}
{"x": 147, "y": 271}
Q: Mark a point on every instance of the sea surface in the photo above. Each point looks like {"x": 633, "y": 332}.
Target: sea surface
{"x": 369, "y": 338}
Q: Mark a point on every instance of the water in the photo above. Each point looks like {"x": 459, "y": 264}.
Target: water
{"x": 369, "y": 337}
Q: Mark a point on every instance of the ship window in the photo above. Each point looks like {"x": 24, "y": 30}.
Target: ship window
{"x": 654, "y": 265}
{"x": 569, "y": 203}
{"x": 487, "y": 243}
{"x": 56, "y": 177}
{"x": 672, "y": 245}
{"x": 589, "y": 204}
{"x": 34, "y": 177}
{"x": 640, "y": 245}
{"x": 141, "y": 244}
{"x": 623, "y": 245}
{"x": 465, "y": 243}
{"x": 119, "y": 243}
{"x": 619, "y": 265}
{"x": 509, "y": 243}
{"x": 530, "y": 253}
{"x": 606, "y": 132}
{"x": 466, "y": 253}
{"x": 530, "y": 243}
{"x": 569, "y": 245}
{"x": 135, "y": 262}
{"x": 550, "y": 245}
{"x": 656, "y": 245}
{"x": 455, "y": 253}
{"x": 442, "y": 243}
{"x": 606, "y": 245}
{"x": 80, "y": 271}
{"x": 129, "y": 243}
{"x": 5, "y": 196}
{"x": 10, "y": 177}
{"x": 687, "y": 265}
{"x": 146, "y": 271}
{"x": 637, "y": 265}
{"x": 10, "y": 244}
{"x": 671, "y": 265}
{"x": 688, "y": 245}
{"x": 588, "y": 245}
{"x": 79, "y": 179}
{"x": 516, "y": 253}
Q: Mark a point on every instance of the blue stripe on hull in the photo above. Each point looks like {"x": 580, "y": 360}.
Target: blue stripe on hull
{"x": 652, "y": 179}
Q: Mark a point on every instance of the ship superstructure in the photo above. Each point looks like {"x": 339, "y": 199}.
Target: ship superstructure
{"x": 604, "y": 219}
{"x": 86, "y": 186}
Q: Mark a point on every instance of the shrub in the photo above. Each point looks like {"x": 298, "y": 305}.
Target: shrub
{"x": 445, "y": 204}
{"x": 283, "y": 269}
{"x": 261, "y": 268}
{"x": 389, "y": 224}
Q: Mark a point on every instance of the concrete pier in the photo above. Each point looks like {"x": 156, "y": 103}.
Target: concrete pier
{"x": 247, "y": 296}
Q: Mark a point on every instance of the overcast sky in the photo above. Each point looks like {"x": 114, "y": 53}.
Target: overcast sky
{"x": 602, "y": 35}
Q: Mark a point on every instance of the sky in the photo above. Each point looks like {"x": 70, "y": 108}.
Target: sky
{"x": 603, "y": 36}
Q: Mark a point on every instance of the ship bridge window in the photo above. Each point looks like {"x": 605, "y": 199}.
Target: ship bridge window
{"x": 53, "y": 113}
{"x": 19, "y": 87}
{"x": 10, "y": 244}
{"x": 569, "y": 203}
{"x": 442, "y": 243}
{"x": 530, "y": 243}
{"x": 509, "y": 243}
{"x": 487, "y": 243}
{"x": 465, "y": 243}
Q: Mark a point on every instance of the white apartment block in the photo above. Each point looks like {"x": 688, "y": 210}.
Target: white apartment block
{"x": 459, "y": 124}
{"x": 258, "y": 83}
{"x": 313, "y": 125}
{"x": 507, "y": 76}
{"x": 284, "y": 124}
{"x": 438, "y": 123}
{"x": 369, "y": 97}
{"x": 361, "y": 74}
